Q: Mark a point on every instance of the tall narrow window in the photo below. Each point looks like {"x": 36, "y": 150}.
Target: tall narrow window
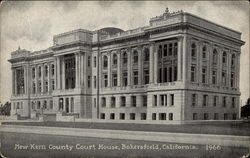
{"x": 170, "y": 116}
{"x": 135, "y": 76}
{"x": 175, "y": 48}
{"x": 53, "y": 84}
{"x": 172, "y": 99}
{"x": 204, "y": 75}
{"x": 233, "y": 60}
{"x": 124, "y": 58}
{"x": 33, "y": 72}
{"x": 114, "y": 59}
{"x": 103, "y": 102}
{"x": 205, "y": 100}
{"x": 214, "y": 77}
{"x": 94, "y": 81}
{"x": 34, "y": 87}
{"x": 105, "y": 61}
{"x": 133, "y": 101}
{"x": 114, "y": 79}
{"x": 165, "y": 50}
{"x": 46, "y": 86}
{"x": 124, "y": 78}
{"x": 224, "y": 57}
{"x": 233, "y": 102}
{"x": 135, "y": 57}
{"x": 123, "y": 101}
{"x": 155, "y": 100}
{"x": 89, "y": 61}
{"x": 105, "y": 80}
{"x": 112, "y": 102}
{"x": 46, "y": 70}
{"x": 215, "y": 56}
{"x": 144, "y": 101}
{"x": 193, "y": 73}
{"x": 52, "y": 69}
{"x": 215, "y": 100}
{"x": 94, "y": 61}
{"x": 39, "y": 71}
{"x": 193, "y": 51}
{"x": 170, "y": 49}
{"x": 194, "y": 99}
{"x": 89, "y": 81}
{"x": 232, "y": 80}
{"x": 204, "y": 52}
{"x": 224, "y": 101}
{"x": 146, "y": 54}
{"x": 146, "y": 76}
{"x": 223, "y": 78}
{"x": 160, "y": 52}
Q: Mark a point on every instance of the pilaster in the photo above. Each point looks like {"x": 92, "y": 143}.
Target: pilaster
{"x": 151, "y": 63}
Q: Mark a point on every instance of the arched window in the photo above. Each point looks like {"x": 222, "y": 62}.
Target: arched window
{"x": 193, "y": 50}
{"x": 146, "y": 54}
{"x": 124, "y": 58}
{"x": 160, "y": 52}
{"x": 204, "y": 52}
{"x": 105, "y": 61}
{"x": 215, "y": 56}
{"x": 135, "y": 56}
{"x": 114, "y": 59}
{"x": 40, "y": 71}
{"x": 233, "y": 62}
{"x": 224, "y": 57}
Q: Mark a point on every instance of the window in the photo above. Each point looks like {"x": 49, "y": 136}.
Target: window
{"x": 52, "y": 69}
{"x": 143, "y": 116}
{"x": 193, "y": 73}
{"x": 225, "y": 116}
{"x": 233, "y": 102}
{"x": 170, "y": 49}
{"x": 232, "y": 83}
{"x": 223, "y": 79}
{"x": 162, "y": 100}
{"x": 233, "y": 60}
{"x": 216, "y": 116}
{"x": 124, "y": 58}
{"x": 146, "y": 76}
{"x": 94, "y": 102}
{"x": 204, "y": 52}
{"x": 38, "y": 104}
{"x": 205, "y": 100}
{"x": 146, "y": 54}
{"x": 135, "y": 57}
{"x": 34, "y": 87}
{"x": 102, "y": 115}
{"x": 135, "y": 77}
{"x": 144, "y": 102}
{"x": 153, "y": 116}
{"x": 224, "y": 57}
{"x": 89, "y": 81}
{"x": 206, "y": 116}
{"x": 105, "y": 61}
{"x": 132, "y": 116}
{"x": 114, "y": 79}
{"x": 175, "y": 73}
{"x": 53, "y": 84}
{"x": 214, "y": 77}
{"x": 123, "y": 101}
{"x": 112, "y": 116}
{"x": 215, "y": 56}
{"x": 89, "y": 61}
{"x": 204, "y": 75}
{"x": 165, "y": 50}
{"x": 122, "y": 116}
{"x": 175, "y": 49}
{"x": 94, "y": 81}
{"x": 195, "y": 116}
{"x": 170, "y": 116}
{"x": 215, "y": 100}
{"x": 39, "y": 71}
{"x": 114, "y": 59}
{"x": 162, "y": 116}
{"x": 193, "y": 50}
{"x": 234, "y": 116}
{"x": 103, "y": 102}
{"x": 133, "y": 101}
{"x": 155, "y": 100}
{"x": 46, "y": 86}
{"x": 70, "y": 74}
{"x": 45, "y": 104}
{"x": 224, "y": 101}
{"x": 94, "y": 61}
{"x": 160, "y": 52}
{"x": 39, "y": 86}
{"x": 112, "y": 102}
{"x": 105, "y": 80}
{"x": 194, "y": 99}
{"x": 172, "y": 99}
{"x": 33, "y": 72}
{"x": 125, "y": 79}
{"x": 46, "y": 70}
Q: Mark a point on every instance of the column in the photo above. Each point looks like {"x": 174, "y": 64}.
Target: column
{"x": 219, "y": 61}
{"x": 199, "y": 61}
{"x": 13, "y": 82}
{"x": 229, "y": 69}
{"x": 129, "y": 65}
{"x": 184, "y": 52}
{"x": 140, "y": 70}
{"x": 42, "y": 78}
{"x": 81, "y": 70}
{"x": 237, "y": 72}
{"x": 85, "y": 70}
{"x": 109, "y": 69}
{"x": 62, "y": 73}
{"x": 179, "y": 60}
{"x": 36, "y": 77}
{"x": 70, "y": 105}
{"x": 77, "y": 57}
{"x": 119, "y": 68}
{"x": 151, "y": 63}
{"x": 58, "y": 70}
{"x": 158, "y": 100}
{"x": 49, "y": 78}
{"x": 25, "y": 75}
{"x": 156, "y": 66}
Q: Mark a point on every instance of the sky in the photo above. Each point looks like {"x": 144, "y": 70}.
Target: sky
{"x": 32, "y": 24}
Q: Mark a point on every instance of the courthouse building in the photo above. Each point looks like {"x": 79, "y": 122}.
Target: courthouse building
{"x": 179, "y": 67}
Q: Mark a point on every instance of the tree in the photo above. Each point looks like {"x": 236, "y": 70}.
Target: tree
{"x": 5, "y": 109}
{"x": 245, "y": 110}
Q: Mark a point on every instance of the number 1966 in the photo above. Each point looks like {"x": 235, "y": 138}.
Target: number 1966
{"x": 213, "y": 147}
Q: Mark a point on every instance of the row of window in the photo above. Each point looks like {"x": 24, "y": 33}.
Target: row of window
{"x": 17, "y": 105}
{"x": 39, "y": 88}
{"x": 215, "y": 116}
{"x": 46, "y": 71}
{"x": 214, "y": 100}
{"x": 205, "y": 53}
{"x": 42, "y": 104}
{"x": 162, "y": 100}
{"x": 132, "y": 116}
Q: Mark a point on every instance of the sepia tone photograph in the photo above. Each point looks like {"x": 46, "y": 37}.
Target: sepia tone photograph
{"x": 124, "y": 79}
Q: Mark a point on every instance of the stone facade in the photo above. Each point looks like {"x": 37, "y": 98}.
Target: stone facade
{"x": 180, "y": 67}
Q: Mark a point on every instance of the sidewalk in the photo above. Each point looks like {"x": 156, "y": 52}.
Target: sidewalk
{"x": 223, "y": 140}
